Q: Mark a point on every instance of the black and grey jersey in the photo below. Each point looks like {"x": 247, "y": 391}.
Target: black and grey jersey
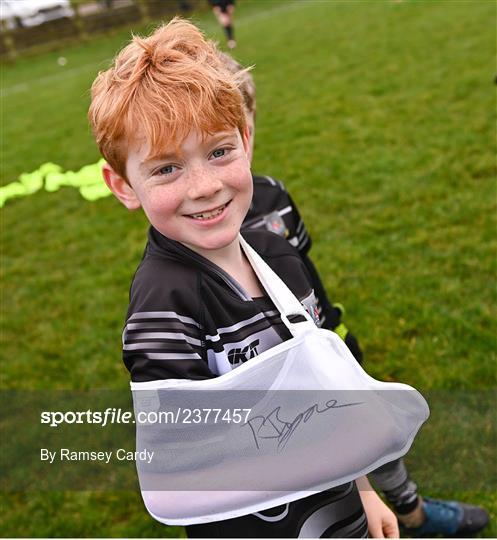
{"x": 335, "y": 513}
{"x": 187, "y": 318}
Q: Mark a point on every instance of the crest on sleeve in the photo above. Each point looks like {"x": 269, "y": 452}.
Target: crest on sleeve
{"x": 274, "y": 223}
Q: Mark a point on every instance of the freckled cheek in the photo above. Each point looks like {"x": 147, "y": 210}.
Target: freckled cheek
{"x": 241, "y": 180}
{"x": 165, "y": 204}
{"x": 248, "y": 188}
{"x": 245, "y": 192}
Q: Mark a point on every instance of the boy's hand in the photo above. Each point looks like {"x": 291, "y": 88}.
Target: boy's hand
{"x": 382, "y": 522}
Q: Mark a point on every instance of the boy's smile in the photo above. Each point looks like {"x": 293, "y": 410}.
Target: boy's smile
{"x": 198, "y": 194}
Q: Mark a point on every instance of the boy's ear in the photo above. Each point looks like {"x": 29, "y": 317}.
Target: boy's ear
{"x": 120, "y": 187}
{"x": 246, "y": 142}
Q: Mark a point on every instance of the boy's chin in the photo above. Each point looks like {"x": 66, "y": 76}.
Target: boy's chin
{"x": 214, "y": 243}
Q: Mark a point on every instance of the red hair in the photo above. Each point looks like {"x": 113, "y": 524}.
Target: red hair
{"x": 159, "y": 89}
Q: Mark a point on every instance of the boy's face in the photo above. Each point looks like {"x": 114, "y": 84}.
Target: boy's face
{"x": 198, "y": 195}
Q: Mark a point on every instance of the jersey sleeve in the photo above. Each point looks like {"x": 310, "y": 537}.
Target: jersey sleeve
{"x": 302, "y": 239}
{"x": 330, "y": 316}
{"x": 163, "y": 337}
{"x": 273, "y": 209}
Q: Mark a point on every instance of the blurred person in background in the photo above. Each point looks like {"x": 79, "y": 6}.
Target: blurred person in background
{"x": 273, "y": 208}
{"x": 224, "y": 11}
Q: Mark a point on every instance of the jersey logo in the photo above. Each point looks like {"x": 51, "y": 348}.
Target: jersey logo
{"x": 237, "y": 356}
{"x": 274, "y": 223}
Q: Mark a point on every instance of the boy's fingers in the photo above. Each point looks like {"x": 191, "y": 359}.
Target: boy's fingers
{"x": 375, "y": 530}
{"x": 391, "y": 530}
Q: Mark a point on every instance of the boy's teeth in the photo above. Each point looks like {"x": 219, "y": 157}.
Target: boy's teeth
{"x": 208, "y": 215}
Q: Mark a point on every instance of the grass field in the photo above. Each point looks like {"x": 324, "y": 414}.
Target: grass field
{"x": 380, "y": 117}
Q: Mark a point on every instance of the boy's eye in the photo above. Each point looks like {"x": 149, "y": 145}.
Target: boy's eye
{"x": 220, "y": 152}
{"x": 167, "y": 169}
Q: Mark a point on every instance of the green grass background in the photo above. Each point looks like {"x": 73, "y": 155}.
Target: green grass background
{"x": 379, "y": 116}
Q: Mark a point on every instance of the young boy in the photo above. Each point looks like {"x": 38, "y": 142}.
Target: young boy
{"x": 272, "y": 208}
{"x": 169, "y": 119}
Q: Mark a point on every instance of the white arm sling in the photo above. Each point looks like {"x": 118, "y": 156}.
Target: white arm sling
{"x": 302, "y": 417}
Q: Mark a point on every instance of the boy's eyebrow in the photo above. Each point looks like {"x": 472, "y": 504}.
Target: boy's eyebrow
{"x": 147, "y": 163}
{"x": 217, "y": 137}
{"x": 222, "y": 135}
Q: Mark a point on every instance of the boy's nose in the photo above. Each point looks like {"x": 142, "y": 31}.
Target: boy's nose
{"x": 204, "y": 185}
